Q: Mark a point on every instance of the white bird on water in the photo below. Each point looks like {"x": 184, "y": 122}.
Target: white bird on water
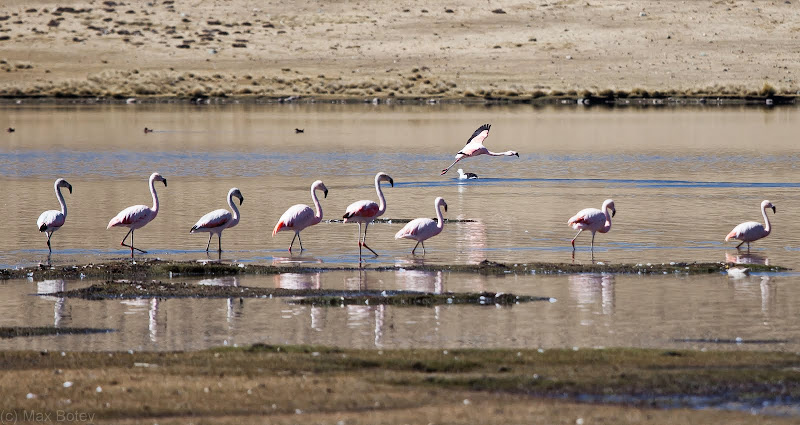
{"x": 422, "y": 229}
{"x": 218, "y": 220}
{"x": 464, "y": 176}
{"x": 138, "y": 216}
{"x": 752, "y": 231}
{"x": 367, "y": 211}
{"x": 593, "y": 220}
{"x": 52, "y": 220}
{"x": 300, "y": 216}
{"x": 474, "y": 147}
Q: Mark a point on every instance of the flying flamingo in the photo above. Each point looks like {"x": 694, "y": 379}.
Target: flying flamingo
{"x": 300, "y": 216}
{"x": 474, "y": 147}
{"x": 752, "y": 231}
{"x": 218, "y": 220}
{"x": 367, "y": 211}
{"x": 421, "y": 229}
{"x": 593, "y": 220}
{"x": 52, "y": 220}
{"x": 138, "y": 215}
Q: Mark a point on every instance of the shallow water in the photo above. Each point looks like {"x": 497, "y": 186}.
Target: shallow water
{"x": 681, "y": 179}
{"x": 589, "y": 310}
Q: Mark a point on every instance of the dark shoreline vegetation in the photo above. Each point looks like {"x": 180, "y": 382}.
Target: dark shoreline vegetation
{"x": 368, "y": 386}
{"x": 607, "y": 98}
{"x": 154, "y": 268}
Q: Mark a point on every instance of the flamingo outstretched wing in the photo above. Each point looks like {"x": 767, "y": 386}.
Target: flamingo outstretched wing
{"x": 480, "y": 134}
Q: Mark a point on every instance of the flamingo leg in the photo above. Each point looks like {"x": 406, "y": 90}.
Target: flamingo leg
{"x": 209, "y": 241}
{"x": 415, "y": 248}
{"x": 366, "y": 226}
{"x": 219, "y": 242}
{"x": 295, "y": 237}
{"x": 592, "y": 242}
{"x": 359, "y": 241}
{"x": 49, "y": 235}
{"x": 448, "y": 168}
{"x": 748, "y": 247}
{"x": 740, "y": 244}
{"x": 576, "y": 237}
{"x": 130, "y": 232}
{"x": 301, "y": 242}
{"x": 423, "y": 247}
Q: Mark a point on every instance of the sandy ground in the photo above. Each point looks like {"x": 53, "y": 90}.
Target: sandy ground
{"x": 395, "y": 48}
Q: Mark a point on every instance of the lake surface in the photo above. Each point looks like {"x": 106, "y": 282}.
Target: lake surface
{"x": 681, "y": 179}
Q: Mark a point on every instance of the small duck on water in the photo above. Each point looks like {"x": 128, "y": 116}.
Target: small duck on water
{"x": 464, "y": 176}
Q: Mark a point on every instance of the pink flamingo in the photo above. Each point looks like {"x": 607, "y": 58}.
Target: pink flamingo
{"x": 52, "y": 220}
{"x": 300, "y": 216}
{"x": 218, "y": 220}
{"x": 138, "y": 215}
{"x": 421, "y": 229}
{"x": 474, "y": 147}
{"x": 367, "y": 211}
{"x": 593, "y": 219}
{"x": 752, "y": 231}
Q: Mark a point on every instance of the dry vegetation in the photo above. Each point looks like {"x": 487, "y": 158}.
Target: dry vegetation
{"x": 464, "y": 50}
{"x": 300, "y": 384}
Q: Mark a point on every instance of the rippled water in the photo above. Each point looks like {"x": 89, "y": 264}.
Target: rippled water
{"x": 681, "y": 180}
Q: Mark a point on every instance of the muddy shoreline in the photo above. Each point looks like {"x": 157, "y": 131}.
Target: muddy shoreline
{"x": 171, "y": 269}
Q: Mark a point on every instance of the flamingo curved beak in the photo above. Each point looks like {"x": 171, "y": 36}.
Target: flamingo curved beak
{"x": 445, "y": 207}
{"x": 517, "y": 154}
{"x": 165, "y": 182}
{"x": 69, "y": 186}
{"x": 325, "y": 192}
{"x": 613, "y": 212}
{"x": 241, "y": 200}
{"x": 774, "y": 210}
{"x": 391, "y": 181}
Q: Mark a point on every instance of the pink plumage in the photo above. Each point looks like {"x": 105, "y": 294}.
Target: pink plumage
{"x": 593, "y": 220}
{"x": 422, "y": 229}
{"x": 366, "y": 211}
{"x": 474, "y": 147}
{"x": 300, "y": 216}
{"x": 752, "y": 231}
{"x": 138, "y": 216}
{"x": 52, "y": 220}
{"x": 218, "y": 220}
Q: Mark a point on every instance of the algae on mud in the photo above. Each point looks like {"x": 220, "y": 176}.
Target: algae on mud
{"x": 20, "y": 331}
{"x": 228, "y": 384}
{"x": 134, "y": 289}
{"x": 156, "y": 268}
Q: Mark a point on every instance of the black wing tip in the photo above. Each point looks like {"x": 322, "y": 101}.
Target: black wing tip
{"x": 193, "y": 229}
{"x": 347, "y": 215}
{"x": 484, "y": 127}
{"x": 43, "y": 227}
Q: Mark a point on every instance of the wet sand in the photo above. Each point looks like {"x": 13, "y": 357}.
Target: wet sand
{"x": 465, "y": 50}
{"x": 312, "y": 384}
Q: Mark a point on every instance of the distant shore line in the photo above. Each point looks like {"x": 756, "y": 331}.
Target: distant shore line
{"x": 609, "y": 101}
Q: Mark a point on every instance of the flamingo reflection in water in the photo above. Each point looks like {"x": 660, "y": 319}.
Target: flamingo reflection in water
{"x": 588, "y": 289}
{"x": 52, "y": 287}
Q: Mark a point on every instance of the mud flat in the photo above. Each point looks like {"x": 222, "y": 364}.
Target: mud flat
{"x": 141, "y": 269}
{"x": 314, "y": 384}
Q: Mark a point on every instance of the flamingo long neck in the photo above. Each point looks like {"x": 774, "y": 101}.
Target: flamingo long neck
{"x": 382, "y": 204}
{"x": 439, "y": 216}
{"x": 607, "y": 226}
{"x": 314, "y": 198}
{"x": 61, "y": 201}
{"x": 235, "y": 210}
{"x": 506, "y": 153}
{"x": 767, "y": 227}
{"x": 155, "y": 196}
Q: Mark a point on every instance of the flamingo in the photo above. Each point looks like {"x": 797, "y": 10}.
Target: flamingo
{"x": 474, "y": 147}
{"x": 752, "y": 231}
{"x": 138, "y": 216}
{"x": 593, "y": 219}
{"x": 464, "y": 176}
{"x": 367, "y": 211}
{"x": 421, "y": 229}
{"x": 52, "y": 220}
{"x": 300, "y": 216}
{"x": 218, "y": 220}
